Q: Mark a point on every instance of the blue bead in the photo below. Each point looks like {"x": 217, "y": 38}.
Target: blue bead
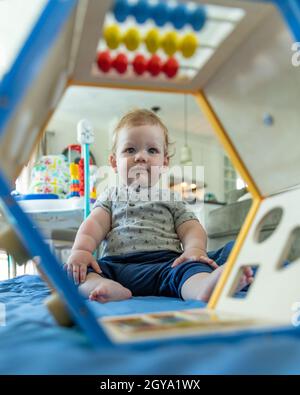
{"x": 141, "y": 11}
{"x": 160, "y": 13}
{"x": 197, "y": 18}
{"x": 179, "y": 16}
{"x": 121, "y": 10}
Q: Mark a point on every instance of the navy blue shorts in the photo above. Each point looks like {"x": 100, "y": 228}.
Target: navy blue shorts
{"x": 151, "y": 274}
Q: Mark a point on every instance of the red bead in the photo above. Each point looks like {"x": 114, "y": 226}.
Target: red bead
{"x": 139, "y": 64}
{"x": 81, "y": 176}
{"x": 154, "y": 65}
{"x": 171, "y": 67}
{"x": 104, "y": 61}
{"x": 120, "y": 63}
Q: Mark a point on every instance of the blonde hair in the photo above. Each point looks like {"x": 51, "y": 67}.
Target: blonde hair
{"x": 139, "y": 117}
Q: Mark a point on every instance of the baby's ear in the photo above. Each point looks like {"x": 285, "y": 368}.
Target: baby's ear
{"x": 113, "y": 161}
{"x": 166, "y": 160}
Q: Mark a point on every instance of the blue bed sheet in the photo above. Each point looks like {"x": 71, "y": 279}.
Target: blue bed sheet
{"x": 31, "y": 342}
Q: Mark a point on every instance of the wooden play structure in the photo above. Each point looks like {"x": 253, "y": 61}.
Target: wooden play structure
{"x": 243, "y": 80}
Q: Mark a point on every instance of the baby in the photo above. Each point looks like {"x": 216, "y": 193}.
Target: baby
{"x": 151, "y": 246}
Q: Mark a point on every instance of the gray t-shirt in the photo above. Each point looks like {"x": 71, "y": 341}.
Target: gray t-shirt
{"x": 144, "y": 220}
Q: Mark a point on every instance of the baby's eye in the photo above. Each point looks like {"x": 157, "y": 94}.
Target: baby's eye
{"x": 153, "y": 150}
{"x": 129, "y": 150}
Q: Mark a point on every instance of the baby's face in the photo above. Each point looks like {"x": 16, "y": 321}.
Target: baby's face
{"x": 140, "y": 155}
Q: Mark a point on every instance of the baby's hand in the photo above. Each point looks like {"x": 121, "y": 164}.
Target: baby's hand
{"x": 194, "y": 254}
{"x": 77, "y": 265}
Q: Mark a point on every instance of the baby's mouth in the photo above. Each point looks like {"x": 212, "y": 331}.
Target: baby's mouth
{"x": 139, "y": 177}
{"x": 139, "y": 168}
{"x": 138, "y": 171}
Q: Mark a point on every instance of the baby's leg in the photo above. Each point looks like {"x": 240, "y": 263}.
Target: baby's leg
{"x": 201, "y": 285}
{"x": 103, "y": 289}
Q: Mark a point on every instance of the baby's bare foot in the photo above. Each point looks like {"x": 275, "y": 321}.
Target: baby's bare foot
{"x": 208, "y": 284}
{"x": 211, "y": 280}
{"x": 246, "y": 278}
{"x": 108, "y": 292}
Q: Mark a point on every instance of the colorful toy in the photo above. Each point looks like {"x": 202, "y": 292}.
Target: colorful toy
{"x": 170, "y": 43}
{"x": 152, "y": 40}
{"x": 154, "y": 65}
{"x": 81, "y": 176}
{"x": 179, "y": 16}
{"x": 197, "y": 18}
{"x": 170, "y": 67}
{"x": 120, "y": 63}
{"x": 112, "y": 36}
{"x": 141, "y": 11}
{"x": 50, "y": 174}
{"x": 121, "y": 10}
{"x": 160, "y": 14}
{"x": 104, "y": 61}
{"x": 132, "y": 39}
{"x": 188, "y": 45}
{"x": 77, "y": 188}
{"x": 75, "y": 185}
{"x": 139, "y": 64}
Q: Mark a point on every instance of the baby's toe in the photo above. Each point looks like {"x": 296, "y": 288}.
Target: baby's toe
{"x": 248, "y": 272}
{"x": 99, "y": 294}
{"x": 250, "y": 279}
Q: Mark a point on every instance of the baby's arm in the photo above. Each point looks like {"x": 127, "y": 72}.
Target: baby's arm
{"x": 194, "y": 241}
{"x": 90, "y": 234}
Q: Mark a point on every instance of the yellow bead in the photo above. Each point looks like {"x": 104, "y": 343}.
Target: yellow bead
{"x": 152, "y": 40}
{"x": 74, "y": 172}
{"x": 132, "y": 39}
{"x": 170, "y": 43}
{"x": 112, "y": 36}
{"x": 188, "y": 45}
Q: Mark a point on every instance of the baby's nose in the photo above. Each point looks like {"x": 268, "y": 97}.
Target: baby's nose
{"x": 141, "y": 156}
